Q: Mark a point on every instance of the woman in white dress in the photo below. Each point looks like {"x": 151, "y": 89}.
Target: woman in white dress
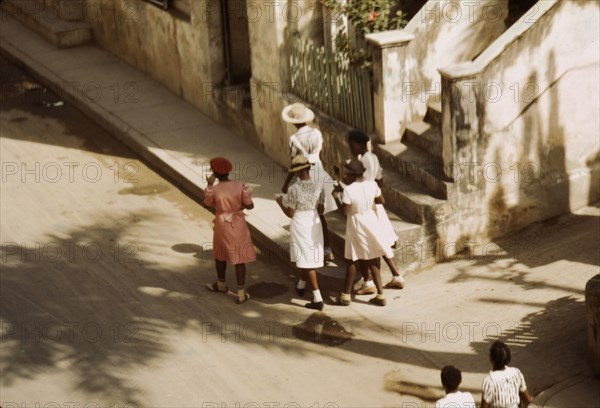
{"x": 308, "y": 141}
{"x": 364, "y": 241}
{"x": 304, "y": 205}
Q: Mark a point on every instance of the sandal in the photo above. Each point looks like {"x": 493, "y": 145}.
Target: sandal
{"x": 366, "y": 290}
{"x": 215, "y": 288}
{"x": 340, "y": 301}
{"x": 394, "y": 284}
{"x": 239, "y": 300}
{"x": 378, "y": 301}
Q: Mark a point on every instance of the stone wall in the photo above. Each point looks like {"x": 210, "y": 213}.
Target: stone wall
{"x": 185, "y": 53}
{"x": 270, "y": 68}
{"x": 445, "y": 32}
{"x": 521, "y": 123}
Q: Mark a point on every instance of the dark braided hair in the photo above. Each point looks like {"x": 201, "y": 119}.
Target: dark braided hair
{"x": 451, "y": 378}
{"x": 500, "y": 355}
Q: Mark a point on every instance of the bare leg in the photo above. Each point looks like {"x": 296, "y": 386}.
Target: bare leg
{"x": 350, "y": 272}
{"x": 374, "y": 267}
{"x": 240, "y": 274}
{"x": 325, "y": 231}
{"x": 221, "y": 268}
{"x": 390, "y": 263}
{"x": 312, "y": 278}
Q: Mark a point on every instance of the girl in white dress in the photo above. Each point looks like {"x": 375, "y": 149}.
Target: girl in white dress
{"x": 357, "y": 141}
{"x": 364, "y": 242}
{"x": 304, "y": 204}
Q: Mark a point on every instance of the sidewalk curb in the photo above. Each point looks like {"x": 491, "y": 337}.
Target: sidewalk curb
{"x": 544, "y": 397}
{"x": 133, "y": 139}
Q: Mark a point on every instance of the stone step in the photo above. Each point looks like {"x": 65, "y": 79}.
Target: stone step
{"x": 424, "y": 136}
{"x": 417, "y": 165}
{"x": 407, "y": 254}
{"x": 433, "y": 116}
{"x": 45, "y": 21}
{"x": 68, "y": 10}
{"x": 411, "y": 201}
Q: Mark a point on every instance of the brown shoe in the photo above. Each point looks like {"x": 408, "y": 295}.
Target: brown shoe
{"x": 214, "y": 287}
{"x": 342, "y": 300}
{"x": 366, "y": 290}
{"x": 394, "y": 284}
{"x": 377, "y": 301}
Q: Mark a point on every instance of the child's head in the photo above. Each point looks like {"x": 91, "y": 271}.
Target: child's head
{"x": 499, "y": 355}
{"x": 451, "y": 378}
{"x": 357, "y": 141}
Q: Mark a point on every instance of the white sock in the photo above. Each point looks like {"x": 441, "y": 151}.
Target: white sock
{"x": 241, "y": 293}
{"x": 301, "y": 284}
{"x": 369, "y": 284}
{"x": 399, "y": 278}
{"x": 221, "y": 285}
{"x": 317, "y": 296}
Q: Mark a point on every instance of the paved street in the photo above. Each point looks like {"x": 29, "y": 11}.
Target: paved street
{"x": 103, "y": 302}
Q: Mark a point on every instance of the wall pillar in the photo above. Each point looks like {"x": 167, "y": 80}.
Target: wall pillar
{"x": 592, "y": 303}
{"x": 390, "y": 77}
{"x": 460, "y": 123}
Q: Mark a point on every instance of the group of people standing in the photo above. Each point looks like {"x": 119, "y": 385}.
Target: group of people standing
{"x": 309, "y": 193}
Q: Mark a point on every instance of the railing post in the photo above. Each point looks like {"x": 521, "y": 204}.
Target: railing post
{"x": 460, "y": 122}
{"x": 389, "y": 76}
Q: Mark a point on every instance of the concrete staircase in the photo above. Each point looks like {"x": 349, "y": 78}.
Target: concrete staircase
{"x": 415, "y": 189}
{"x": 61, "y": 22}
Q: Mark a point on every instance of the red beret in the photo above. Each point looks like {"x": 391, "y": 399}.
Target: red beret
{"x": 220, "y": 165}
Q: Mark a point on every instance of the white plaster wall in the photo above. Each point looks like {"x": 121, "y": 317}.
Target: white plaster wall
{"x": 543, "y": 115}
{"x": 446, "y": 32}
{"x": 186, "y": 55}
{"x": 535, "y": 140}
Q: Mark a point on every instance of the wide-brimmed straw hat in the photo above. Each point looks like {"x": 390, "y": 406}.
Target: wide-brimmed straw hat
{"x": 355, "y": 167}
{"x": 299, "y": 162}
{"x": 220, "y": 165}
{"x": 297, "y": 113}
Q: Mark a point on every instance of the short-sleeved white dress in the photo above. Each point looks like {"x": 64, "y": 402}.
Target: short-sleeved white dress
{"x": 364, "y": 239}
{"x": 374, "y": 172}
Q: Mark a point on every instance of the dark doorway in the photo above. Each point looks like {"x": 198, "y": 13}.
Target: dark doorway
{"x": 236, "y": 41}
{"x": 516, "y": 9}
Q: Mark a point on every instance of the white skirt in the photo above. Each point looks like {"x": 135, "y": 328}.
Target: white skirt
{"x": 387, "y": 230}
{"x": 306, "y": 246}
{"x": 364, "y": 239}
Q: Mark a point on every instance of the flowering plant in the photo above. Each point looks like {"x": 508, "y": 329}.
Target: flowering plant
{"x": 366, "y": 16}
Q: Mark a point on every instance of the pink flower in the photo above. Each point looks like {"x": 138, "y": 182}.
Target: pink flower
{"x": 373, "y": 16}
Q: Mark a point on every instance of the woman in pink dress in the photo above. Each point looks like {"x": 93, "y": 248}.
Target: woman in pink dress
{"x": 231, "y": 237}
